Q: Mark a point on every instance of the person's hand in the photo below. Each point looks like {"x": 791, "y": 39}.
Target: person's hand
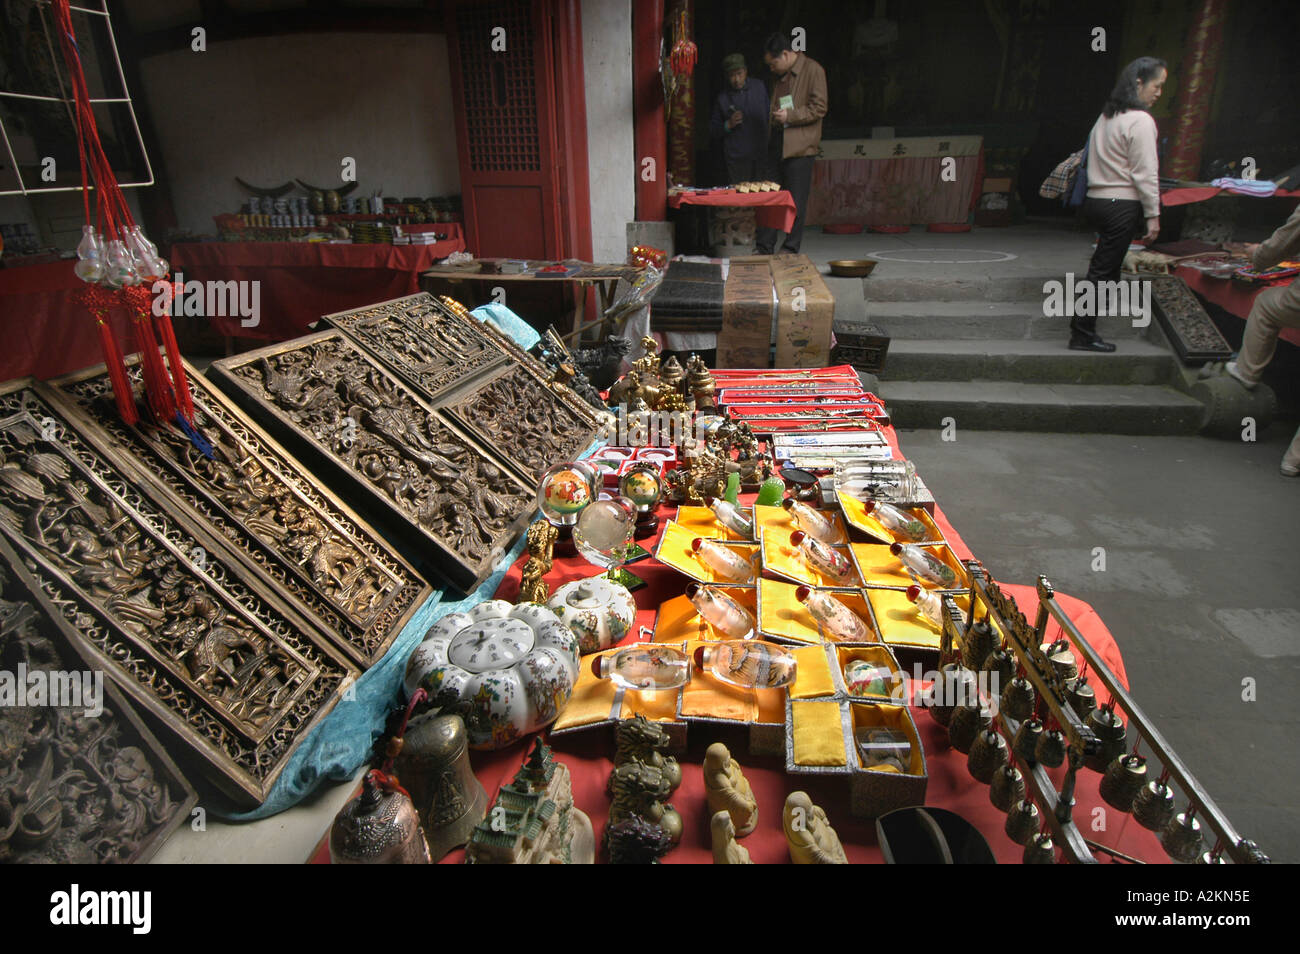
{"x": 1247, "y": 249}
{"x": 737, "y": 117}
{"x": 1153, "y": 231}
{"x": 780, "y": 115}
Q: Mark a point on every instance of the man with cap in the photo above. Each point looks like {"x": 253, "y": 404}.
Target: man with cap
{"x": 740, "y": 120}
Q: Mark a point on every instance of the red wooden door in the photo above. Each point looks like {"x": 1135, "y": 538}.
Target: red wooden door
{"x": 521, "y": 127}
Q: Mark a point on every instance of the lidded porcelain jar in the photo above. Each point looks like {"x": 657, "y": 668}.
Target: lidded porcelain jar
{"x": 599, "y": 611}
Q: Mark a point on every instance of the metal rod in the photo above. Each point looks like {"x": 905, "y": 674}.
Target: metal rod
{"x": 61, "y": 99}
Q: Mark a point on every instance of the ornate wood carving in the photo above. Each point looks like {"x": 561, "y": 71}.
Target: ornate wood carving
{"x": 226, "y": 667}
{"x": 337, "y": 570}
{"x": 74, "y": 787}
{"x": 440, "y": 491}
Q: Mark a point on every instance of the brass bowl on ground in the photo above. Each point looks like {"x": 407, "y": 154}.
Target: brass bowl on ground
{"x": 852, "y": 267}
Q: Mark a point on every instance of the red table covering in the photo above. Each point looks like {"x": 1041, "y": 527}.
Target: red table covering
{"x": 1188, "y": 194}
{"x": 589, "y": 754}
{"x": 1230, "y": 295}
{"x": 300, "y": 281}
{"x": 772, "y": 210}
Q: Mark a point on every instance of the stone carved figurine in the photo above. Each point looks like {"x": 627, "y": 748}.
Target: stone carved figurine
{"x": 727, "y": 789}
{"x": 808, "y": 833}
{"x": 725, "y": 849}
{"x": 636, "y": 788}
{"x": 639, "y": 738}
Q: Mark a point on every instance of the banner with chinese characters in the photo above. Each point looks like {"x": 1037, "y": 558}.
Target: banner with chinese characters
{"x": 911, "y": 147}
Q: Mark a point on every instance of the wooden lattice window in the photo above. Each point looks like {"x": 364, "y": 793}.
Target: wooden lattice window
{"x": 500, "y": 94}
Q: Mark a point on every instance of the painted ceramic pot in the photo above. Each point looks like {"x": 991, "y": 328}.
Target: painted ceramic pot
{"x": 599, "y": 611}
{"x": 506, "y": 670}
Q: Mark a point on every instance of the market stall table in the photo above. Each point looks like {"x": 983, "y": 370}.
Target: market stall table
{"x": 772, "y": 210}
{"x": 300, "y": 281}
{"x": 1234, "y": 297}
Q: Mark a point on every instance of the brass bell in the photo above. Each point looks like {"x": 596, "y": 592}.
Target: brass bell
{"x": 378, "y": 827}
{"x": 1001, "y": 667}
{"x": 1025, "y": 744}
{"x": 1153, "y": 806}
{"x": 1061, "y": 656}
{"x": 1018, "y": 699}
{"x": 1181, "y": 837}
{"x": 1040, "y": 851}
{"x": 988, "y": 753}
{"x": 433, "y": 765}
{"x": 967, "y": 721}
{"x": 956, "y": 685}
{"x": 1008, "y": 788}
{"x": 1081, "y": 697}
{"x": 1022, "y": 822}
{"x": 1124, "y": 779}
{"x": 1050, "y": 750}
{"x": 1113, "y": 735}
{"x": 978, "y": 643}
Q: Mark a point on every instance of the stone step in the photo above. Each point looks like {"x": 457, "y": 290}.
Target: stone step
{"x": 1065, "y": 408}
{"x": 876, "y": 287}
{"x": 1027, "y": 360}
{"x": 1001, "y": 319}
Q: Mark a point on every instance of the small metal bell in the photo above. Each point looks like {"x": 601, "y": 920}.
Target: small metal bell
{"x": 988, "y": 753}
{"x": 1081, "y": 697}
{"x": 1025, "y": 744}
{"x": 1040, "y": 851}
{"x": 1153, "y": 806}
{"x": 955, "y": 685}
{"x": 1018, "y": 699}
{"x": 433, "y": 764}
{"x": 1124, "y": 779}
{"x": 1181, "y": 838}
{"x": 1113, "y": 735}
{"x": 1000, "y": 664}
{"x": 378, "y": 827}
{"x": 978, "y": 643}
{"x": 967, "y": 721}
{"x": 1008, "y": 788}
{"x": 1050, "y": 749}
{"x": 1061, "y": 656}
{"x": 1210, "y": 858}
{"x": 1022, "y": 822}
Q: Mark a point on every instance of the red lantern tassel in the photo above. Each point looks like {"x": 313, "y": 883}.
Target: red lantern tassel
{"x": 122, "y": 391}
{"x": 157, "y": 388}
{"x": 182, "y": 389}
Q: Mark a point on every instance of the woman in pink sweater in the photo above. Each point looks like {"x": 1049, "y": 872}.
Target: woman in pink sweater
{"x": 1123, "y": 187}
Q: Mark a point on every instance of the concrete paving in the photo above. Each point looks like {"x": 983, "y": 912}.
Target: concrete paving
{"x": 1199, "y": 587}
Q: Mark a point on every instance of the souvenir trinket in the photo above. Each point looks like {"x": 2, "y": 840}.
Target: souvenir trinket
{"x": 1081, "y": 697}
{"x": 808, "y": 833}
{"x": 1025, "y": 744}
{"x": 988, "y": 753}
{"x": 720, "y": 611}
{"x": 834, "y": 620}
{"x": 1050, "y": 749}
{"x": 862, "y": 678}
{"x": 732, "y": 517}
{"x": 636, "y": 788}
{"x": 955, "y": 686}
{"x": 433, "y": 766}
{"x": 725, "y": 562}
{"x": 1019, "y": 699}
{"x": 639, "y": 738}
{"x": 1110, "y": 730}
{"x": 1022, "y": 822}
{"x": 1007, "y": 788}
{"x": 645, "y": 666}
{"x": 978, "y": 642}
{"x": 884, "y": 750}
{"x": 924, "y": 565}
{"x": 747, "y": 663}
{"x": 563, "y": 493}
{"x": 635, "y": 841}
{"x": 728, "y": 791}
{"x": 901, "y": 524}
{"x": 929, "y": 606}
{"x": 509, "y": 670}
{"x": 1124, "y": 780}
{"x": 1153, "y": 806}
{"x": 603, "y": 535}
{"x": 967, "y": 723}
{"x": 1181, "y": 837}
{"x": 378, "y": 827}
{"x": 644, "y": 487}
{"x": 1040, "y": 851}
{"x": 542, "y": 535}
{"x": 599, "y": 611}
{"x": 726, "y": 851}
{"x": 821, "y": 558}
{"x": 814, "y": 524}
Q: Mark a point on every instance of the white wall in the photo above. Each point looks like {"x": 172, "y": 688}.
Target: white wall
{"x": 607, "y": 61}
{"x": 272, "y": 109}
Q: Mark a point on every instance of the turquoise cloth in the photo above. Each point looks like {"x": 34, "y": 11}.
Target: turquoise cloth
{"x": 524, "y": 334}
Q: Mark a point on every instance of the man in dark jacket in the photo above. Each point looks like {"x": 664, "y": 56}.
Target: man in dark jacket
{"x": 740, "y": 121}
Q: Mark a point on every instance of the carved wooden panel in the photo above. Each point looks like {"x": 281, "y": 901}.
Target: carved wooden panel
{"x": 459, "y": 366}
{"x": 400, "y": 460}
{"x": 335, "y": 568}
{"x": 76, "y": 785}
{"x": 228, "y": 668}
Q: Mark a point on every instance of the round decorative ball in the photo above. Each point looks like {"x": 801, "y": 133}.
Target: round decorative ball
{"x": 642, "y": 487}
{"x": 604, "y": 531}
{"x": 565, "y": 491}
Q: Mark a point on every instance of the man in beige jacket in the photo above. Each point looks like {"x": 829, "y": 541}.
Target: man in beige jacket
{"x": 1274, "y": 309}
{"x": 798, "y": 105}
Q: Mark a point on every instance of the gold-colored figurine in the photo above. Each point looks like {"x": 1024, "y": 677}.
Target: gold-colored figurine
{"x": 727, "y": 790}
{"x": 725, "y": 849}
{"x": 541, "y": 538}
{"x": 809, "y": 834}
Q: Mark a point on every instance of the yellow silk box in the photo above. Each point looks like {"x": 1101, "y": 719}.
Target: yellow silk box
{"x": 855, "y": 512}
{"x": 784, "y": 560}
{"x": 784, "y": 617}
{"x": 674, "y": 550}
{"x": 879, "y": 567}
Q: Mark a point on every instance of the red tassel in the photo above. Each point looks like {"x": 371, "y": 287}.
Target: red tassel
{"x": 182, "y": 389}
{"x": 157, "y": 388}
{"x": 122, "y": 391}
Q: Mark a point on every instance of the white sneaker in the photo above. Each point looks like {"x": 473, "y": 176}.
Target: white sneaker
{"x": 1231, "y": 368}
{"x": 1289, "y": 471}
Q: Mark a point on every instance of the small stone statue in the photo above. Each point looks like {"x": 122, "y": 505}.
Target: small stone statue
{"x": 642, "y": 739}
{"x": 671, "y": 374}
{"x": 635, "y": 841}
{"x": 625, "y": 388}
{"x": 541, "y": 538}
{"x": 727, "y": 789}
{"x": 725, "y": 849}
{"x": 809, "y": 834}
{"x": 699, "y": 382}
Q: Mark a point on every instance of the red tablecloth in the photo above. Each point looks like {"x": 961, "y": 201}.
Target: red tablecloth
{"x": 300, "y": 281}
{"x": 46, "y": 333}
{"x": 1189, "y": 194}
{"x": 772, "y": 210}
{"x": 1230, "y": 295}
{"x": 588, "y": 755}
